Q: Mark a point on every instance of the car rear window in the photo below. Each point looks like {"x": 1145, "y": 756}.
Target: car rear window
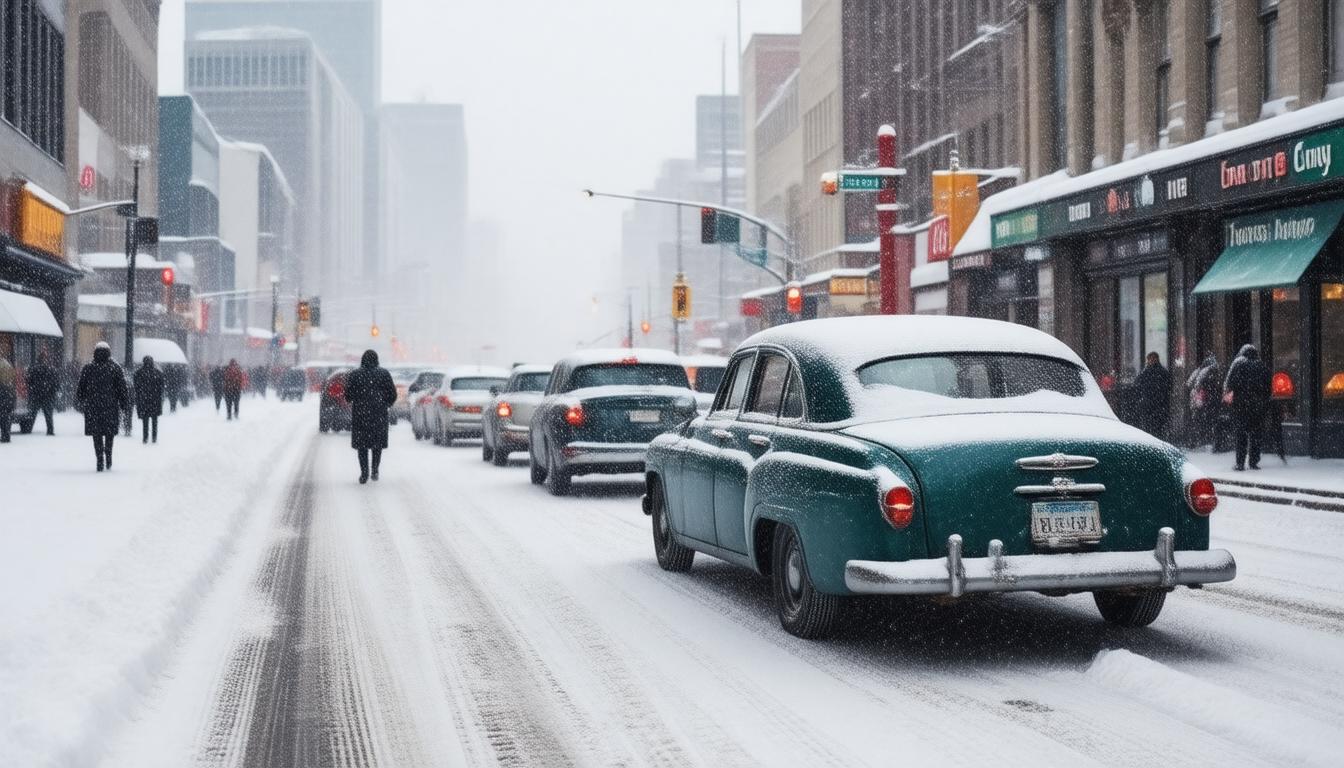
{"x": 431, "y": 380}
{"x": 976, "y": 376}
{"x": 531, "y": 382}
{"x": 475, "y": 382}
{"x": 627, "y": 374}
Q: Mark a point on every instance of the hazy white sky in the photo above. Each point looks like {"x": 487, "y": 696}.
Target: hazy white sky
{"x": 559, "y": 95}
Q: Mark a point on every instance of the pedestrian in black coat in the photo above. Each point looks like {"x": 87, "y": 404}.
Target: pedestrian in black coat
{"x": 1153, "y": 385}
{"x": 43, "y": 383}
{"x": 1247, "y": 386}
{"x": 370, "y": 391}
{"x": 174, "y": 376}
{"x": 102, "y": 397}
{"x": 217, "y": 384}
{"x": 149, "y": 382}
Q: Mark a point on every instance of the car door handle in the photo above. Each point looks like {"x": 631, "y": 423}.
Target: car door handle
{"x": 721, "y": 434}
{"x": 759, "y": 440}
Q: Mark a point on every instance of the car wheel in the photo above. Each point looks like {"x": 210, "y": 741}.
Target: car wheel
{"x": 535, "y": 470}
{"x": 557, "y": 479}
{"x": 1130, "y": 609}
{"x": 487, "y": 454}
{"x": 672, "y": 555}
{"x": 803, "y": 611}
{"x": 500, "y": 458}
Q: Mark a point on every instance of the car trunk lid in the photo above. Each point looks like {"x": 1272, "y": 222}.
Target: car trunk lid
{"x": 632, "y": 414}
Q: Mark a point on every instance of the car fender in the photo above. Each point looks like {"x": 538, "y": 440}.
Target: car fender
{"x": 834, "y": 505}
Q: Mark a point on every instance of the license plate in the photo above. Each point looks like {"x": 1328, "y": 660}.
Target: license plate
{"x": 1065, "y": 522}
{"x": 468, "y": 409}
{"x": 645, "y": 417}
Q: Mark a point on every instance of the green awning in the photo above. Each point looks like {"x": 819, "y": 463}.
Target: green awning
{"x": 1267, "y": 250}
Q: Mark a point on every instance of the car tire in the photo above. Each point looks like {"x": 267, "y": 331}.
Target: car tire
{"x": 487, "y": 453}
{"x": 803, "y": 611}
{"x": 558, "y": 480}
{"x": 1130, "y": 609}
{"x": 672, "y": 555}
{"x": 535, "y": 470}
{"x": 500, "y": 458}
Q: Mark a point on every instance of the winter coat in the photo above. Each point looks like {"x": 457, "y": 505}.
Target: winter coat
{"x": 370, "y": 392}
{"x": 8, "y": 391}
{"x": 1248, "y": 382}
{"x": 1153, "y": 385}
{"x": 43, "y": 382}
{"x": 102, "y": 394}
{"x": 217, "y": 380}
{"x": 174, "y": 376}
{"x": 234, "y": 379}
{"x": 1205, "y": 384}
{"x": 149, "y": 391}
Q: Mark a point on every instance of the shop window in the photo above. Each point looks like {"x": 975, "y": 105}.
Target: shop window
{"x": 1332, "y": 350}
{"x": 1285, "y": 327}
{"x": 1154, "y": 317}
{"x": 1269, "y": 48}
{"x": 1162, "y": 77}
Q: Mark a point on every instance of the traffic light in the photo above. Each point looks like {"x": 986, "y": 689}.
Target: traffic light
{"x": 315, "y": 311}
{"x": 793, "y": 299}
{"x": 681, "y": 298}
{"x": 167, "y": 277}
{"x": 305, "y": 312}
{"x": 645, "y": 326}
{"x": 719, "y": 227}
{"x": 709, "y": 225}
{"x": 373, "y": 330}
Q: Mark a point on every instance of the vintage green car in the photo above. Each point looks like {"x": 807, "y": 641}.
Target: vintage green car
{"x": 911, "y": 455}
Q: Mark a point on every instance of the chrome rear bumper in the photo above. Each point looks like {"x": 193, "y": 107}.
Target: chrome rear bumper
{"x": 1164, "y": 567}
{"x": 581, "y": 453}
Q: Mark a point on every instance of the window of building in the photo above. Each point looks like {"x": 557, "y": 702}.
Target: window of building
{"x": 1332, "y": 350}
{"x": 1059, "y": 83}
{"x": 32, "y": 51}
{"x": 1162, "y": 77}
{"x": 1334, "y": 41}
{"x": 1285, "y": 325}
{"x": 1269, "y": 48}
{"x": 1213, "y": 38}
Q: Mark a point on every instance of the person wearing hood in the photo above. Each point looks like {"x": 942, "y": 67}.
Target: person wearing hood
{"x": 9, "y": 397}
{"x": 1153, "y": 385}
{"x": 43, "y": 383}
{"x": 1246, "y": 392}
{"x": 102, "y": 397}
{"x": 149, "y": 398}
{"x": 234, "y": 382}
{"x": 371, "y": 393}
{"x": 1204, "y": 385}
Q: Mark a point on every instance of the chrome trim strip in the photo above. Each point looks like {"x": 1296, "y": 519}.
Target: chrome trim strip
{"x": 953, "y": 575}
{"x": 1055, "y": 462}
{"x": 1060, "y": 486}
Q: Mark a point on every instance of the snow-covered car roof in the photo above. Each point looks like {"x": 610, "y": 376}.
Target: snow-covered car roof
{"x": 488, "y": 371}
{"x": 531, "y": 368}
{"x": 704, "y": 361}
{"x": 620, "y": 355}
{"x": 852, "y": 341}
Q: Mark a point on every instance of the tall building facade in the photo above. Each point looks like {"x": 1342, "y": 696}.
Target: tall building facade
{"x": 424, "y": 179}
{"x": 1179, "y": 199}
{"x": 256, "y": 219}
{"x": 275, "y": 88}
{"x": 768, "y": 63}
{"x": 349, "y": 33}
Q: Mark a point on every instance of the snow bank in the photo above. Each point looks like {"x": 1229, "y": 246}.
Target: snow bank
{"x": 1274, "y": 732}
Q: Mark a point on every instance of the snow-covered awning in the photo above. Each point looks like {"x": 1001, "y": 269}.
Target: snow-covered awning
{"x": 101, "y": 308}
{"x": 46, "y": 197}
{"x": 27, "y": 314}
{"x": 162, "y": 350}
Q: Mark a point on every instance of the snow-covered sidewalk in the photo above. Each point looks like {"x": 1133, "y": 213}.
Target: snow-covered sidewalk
{"x": 1300, "y": 481}
{"x": 101, "y": 572}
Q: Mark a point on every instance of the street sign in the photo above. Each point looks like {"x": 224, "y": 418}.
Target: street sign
{"x": 681, "y": 298}
{"x": 860, "y": 182}
{"x": 751, "y": 255}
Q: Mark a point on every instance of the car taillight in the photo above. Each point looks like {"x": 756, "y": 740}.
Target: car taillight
{"x": 574, "y": 416}
{"x": 445, "y": 401}
{"x": 1202, "y": 496}
{"x": 898, "y": 506}
{"x": 504, "y": 410}
{"x": 425, "y": 400}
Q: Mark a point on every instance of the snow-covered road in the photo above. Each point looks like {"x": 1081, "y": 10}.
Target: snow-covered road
{"x": 247, "y": 603}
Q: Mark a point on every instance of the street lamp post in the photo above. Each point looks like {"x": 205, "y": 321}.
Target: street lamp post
{"x": 275, "y": 312}
{"x": 132, "y": 213}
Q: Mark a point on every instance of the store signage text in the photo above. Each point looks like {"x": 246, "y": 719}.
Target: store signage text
{"x": 1282, "y": 164}
{"x": 1278, "y": 230}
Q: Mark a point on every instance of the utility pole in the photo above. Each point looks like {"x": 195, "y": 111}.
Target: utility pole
{"x": 630, "y": 318}
{"x": 275, "y": 313}
{"x": 676, "y": 323}
{"x": 132, "y": 248}
{"x": 723, "y": 159}
{"x": 886, "y": 219}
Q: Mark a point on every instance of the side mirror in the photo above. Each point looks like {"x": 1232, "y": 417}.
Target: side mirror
{"x": 494, "y": 391}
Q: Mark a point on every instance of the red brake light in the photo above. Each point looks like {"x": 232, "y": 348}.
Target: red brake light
{"x": 898, "y": 506}
{"x": 574, "y": 416}
{"x": 631, "y": 360}
{"x": 504, "y": 410}
{"x": 445, "y": 401}
{"x": 1202, "y": 496}
{"x": 425, "y": 400}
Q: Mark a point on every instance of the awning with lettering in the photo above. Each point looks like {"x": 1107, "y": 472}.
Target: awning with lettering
{"x": 1268, "y": 250}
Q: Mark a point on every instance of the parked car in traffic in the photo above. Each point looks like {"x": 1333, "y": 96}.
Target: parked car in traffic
{"x": 508, "y": 415}
{"x": 292, "y": 384}
{"x": 454, "y": 411}
{"x": 600, "y": 411}
{"x": 403, "y": 375}
{"x": 334, "y": 409}
{"x": 910, "y": 455}
{"x": 705, "y": 372}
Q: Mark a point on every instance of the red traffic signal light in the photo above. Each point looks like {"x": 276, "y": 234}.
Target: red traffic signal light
{"x": 793, "y": 299}
{"x": 166, "y": 276}
{"x": 645, "y": 326}
{"x": 709, "y": 225}
{"x": 373, "y": 331}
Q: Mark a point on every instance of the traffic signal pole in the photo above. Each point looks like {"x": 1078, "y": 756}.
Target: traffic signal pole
{"x": 886, "y": 219}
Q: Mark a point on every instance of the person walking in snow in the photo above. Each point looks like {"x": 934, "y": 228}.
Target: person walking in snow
{"x": 174, "y": 377}
{"x": 102, "y": 397}
{"x": 1153, "y": 386}
{"x": 1246, "y": 393}
{"x": 9, "y": 397}
{"x": 217, "y": 384}
{"x": 370, "y": 391}
{"x": 43, "y": 383}
{"x": 1205, "y": 386}
{"x": 149, "y": 383}
{"x": 234, "y": 381}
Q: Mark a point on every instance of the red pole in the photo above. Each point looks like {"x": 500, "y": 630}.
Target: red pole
{"x": 886, "y": 219}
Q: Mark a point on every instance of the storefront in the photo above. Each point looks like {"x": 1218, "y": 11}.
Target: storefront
{"x": 1187, "y": 252}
